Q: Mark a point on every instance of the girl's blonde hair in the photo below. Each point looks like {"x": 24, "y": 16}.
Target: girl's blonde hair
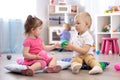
{"x": 86, "y": 17}
{"x": 31, "y": 22}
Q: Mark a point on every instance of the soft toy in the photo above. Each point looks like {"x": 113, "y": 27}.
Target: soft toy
{"x": 63, "y": 44}
{"x": 104, "y": 64}
{"x": 117, "y": 66}
{"x": 112, "y": 9}
{"x": 106, "y": 28}
{"x": 20, "y": 61}
{"x": 117, "y": 30}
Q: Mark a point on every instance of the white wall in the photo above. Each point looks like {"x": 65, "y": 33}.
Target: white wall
{"x": 42, "y": 13}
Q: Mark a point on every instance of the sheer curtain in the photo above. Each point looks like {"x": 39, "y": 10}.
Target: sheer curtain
{"x": 12, "y": 16}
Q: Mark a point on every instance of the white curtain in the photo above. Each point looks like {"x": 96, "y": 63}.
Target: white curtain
{"x": 12, "y": 16}
{"x": 17, "y": 8}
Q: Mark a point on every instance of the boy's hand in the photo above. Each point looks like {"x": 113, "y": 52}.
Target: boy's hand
{"x": 69, "y": 46}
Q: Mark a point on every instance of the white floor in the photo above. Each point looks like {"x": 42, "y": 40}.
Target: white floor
{"x": 109, "y": 73}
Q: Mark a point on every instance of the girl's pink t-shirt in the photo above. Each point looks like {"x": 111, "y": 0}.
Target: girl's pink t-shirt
{"x": 34, "y": 44}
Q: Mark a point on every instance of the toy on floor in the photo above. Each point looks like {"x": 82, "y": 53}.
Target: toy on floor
{"x": 104, "y": 64}
{"x": 85, "y": 66}
{"x": 117, "y": 66}
{"x": 67, "y": 59}
{"x": 98, "y": 52}
{"x": 20, "y": 61}
{"x": 9, "y": 57}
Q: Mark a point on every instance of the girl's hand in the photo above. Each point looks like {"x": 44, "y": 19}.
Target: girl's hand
{"x": 39, "y": 57}
{"x": 57, "y": 45}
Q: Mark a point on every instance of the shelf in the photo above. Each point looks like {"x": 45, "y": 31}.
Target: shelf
{"x": 61, "y": 13}
{"x": 60, "y": 9}
{"x": 57, "y": 15}
{"x": 116, "y": 33}
{"x": 112, "y": 21}
{"x": 103, "y": 33}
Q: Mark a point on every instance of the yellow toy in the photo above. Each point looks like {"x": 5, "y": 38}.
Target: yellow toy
{"x": 112, "y": 9}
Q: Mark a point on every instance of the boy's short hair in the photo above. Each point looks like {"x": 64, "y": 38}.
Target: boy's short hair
{"x": 86, "y": 16}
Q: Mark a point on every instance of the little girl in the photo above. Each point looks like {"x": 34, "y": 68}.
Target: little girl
{"x": 35, "y": 56}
